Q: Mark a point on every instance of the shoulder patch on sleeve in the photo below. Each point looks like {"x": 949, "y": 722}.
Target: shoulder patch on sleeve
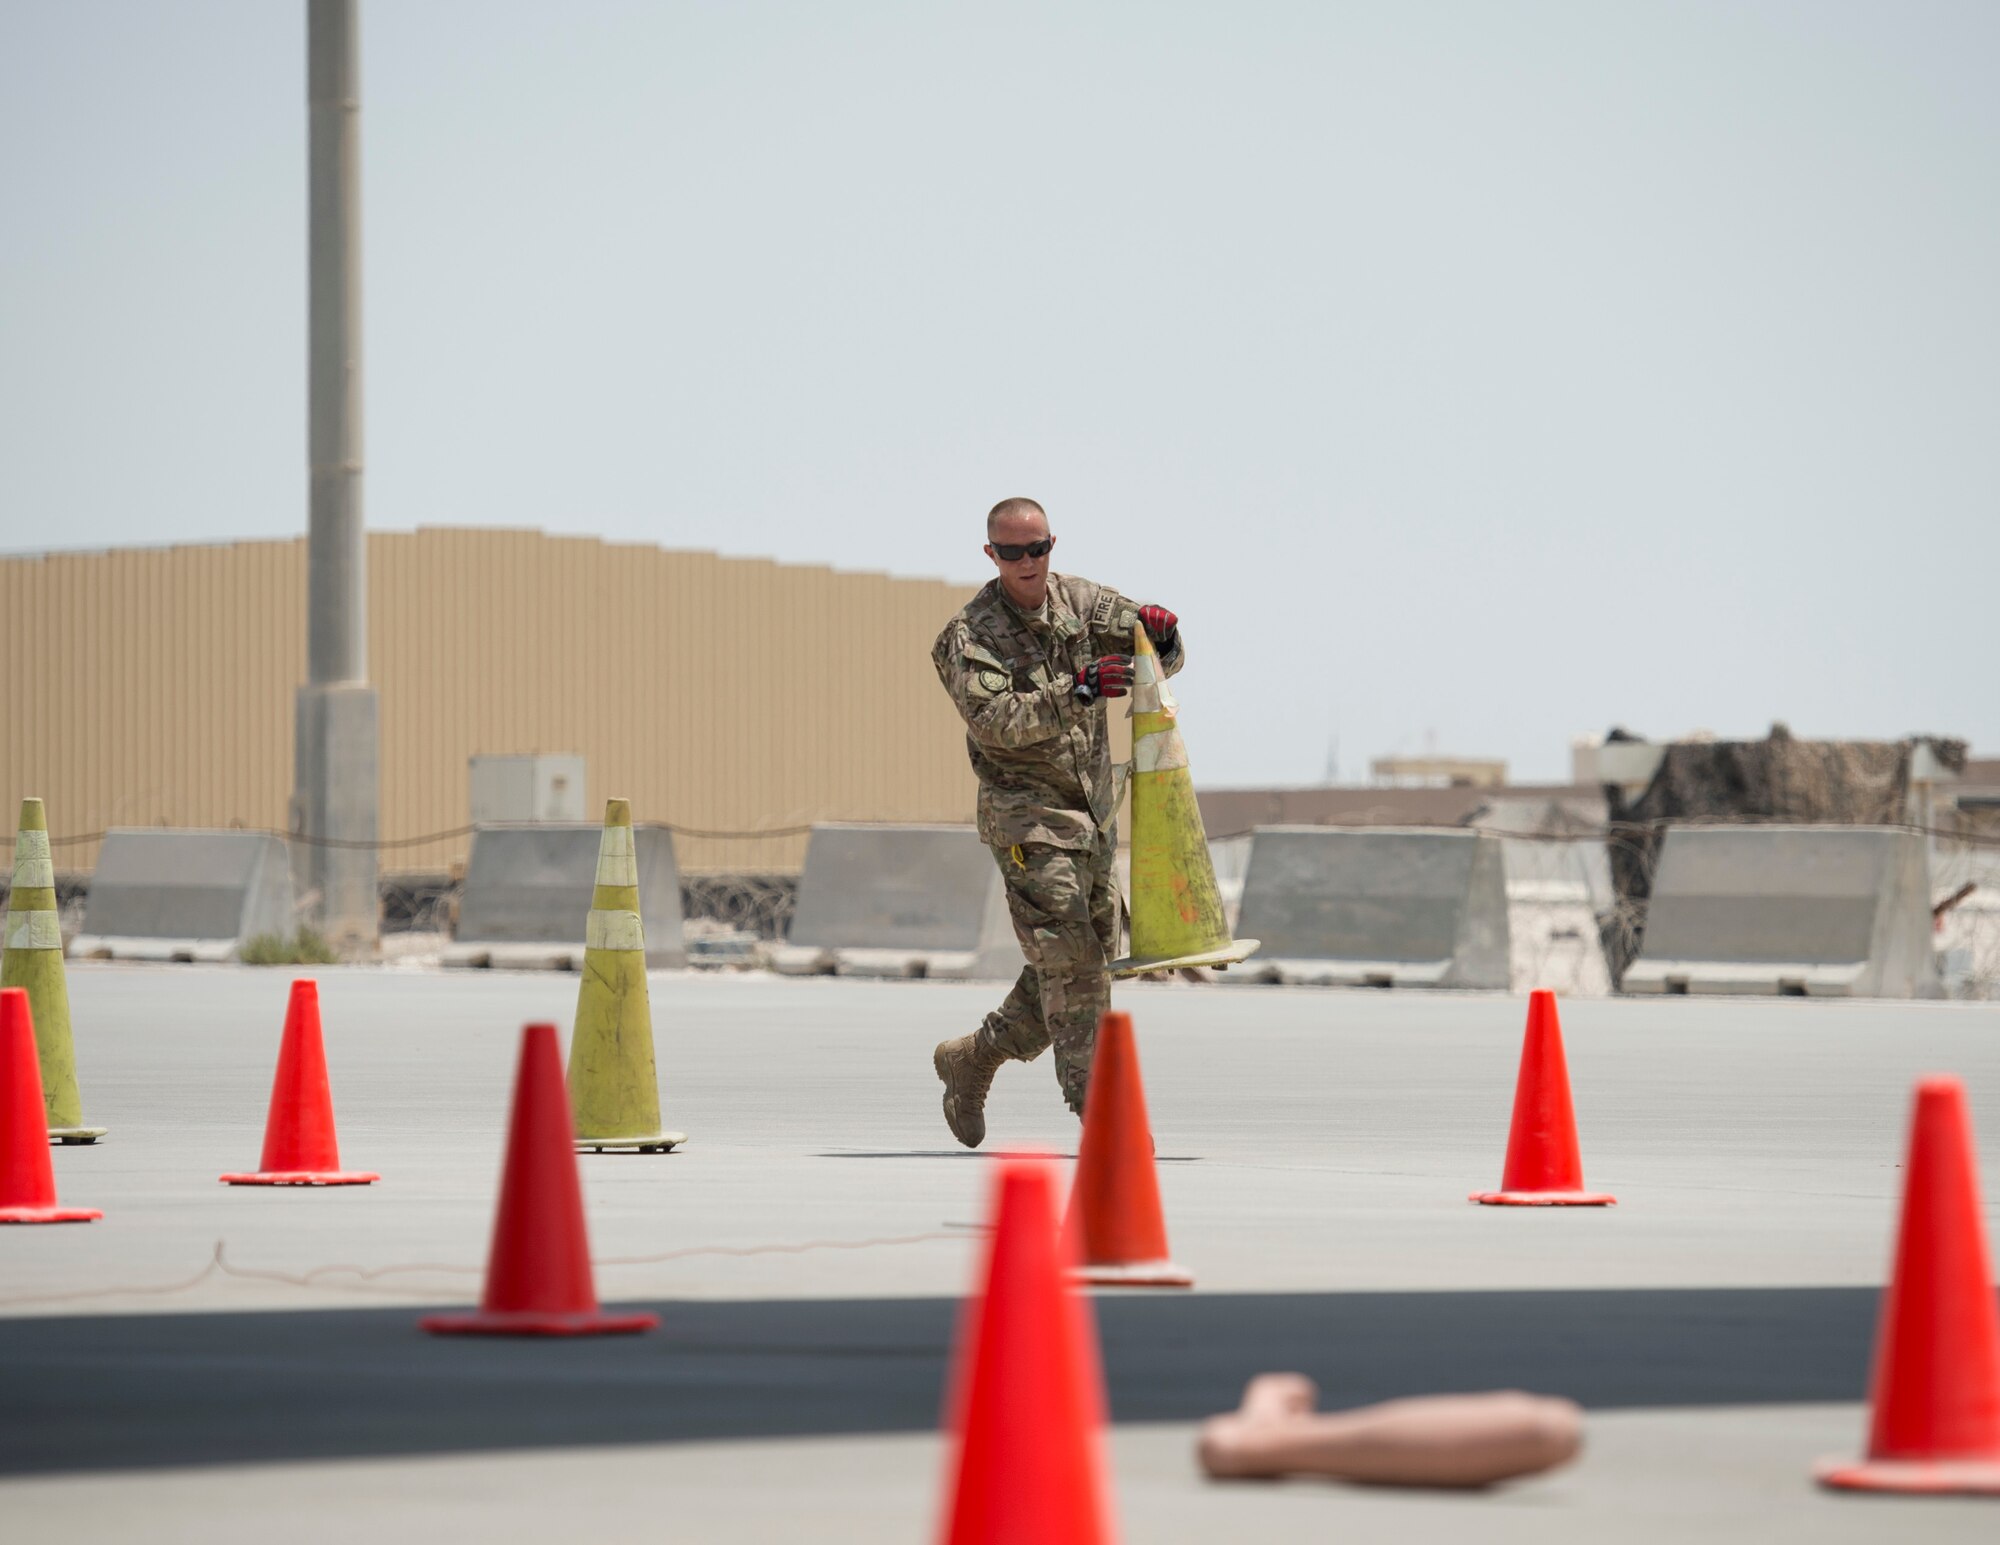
{"x": 1101, "y": 617}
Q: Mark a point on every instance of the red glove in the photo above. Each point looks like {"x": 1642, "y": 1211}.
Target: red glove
{"x": 1110, "y": 676}
{"x": 1160, "y": 625}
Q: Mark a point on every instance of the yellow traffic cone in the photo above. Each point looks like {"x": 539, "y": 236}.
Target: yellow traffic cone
{"x": 614, "y": 1092}
{"x": 1176, "y": 911}
{"x": 34, "y": 960}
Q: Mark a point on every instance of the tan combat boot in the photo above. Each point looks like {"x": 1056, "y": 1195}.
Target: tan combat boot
{"x": 966, "y": 1069}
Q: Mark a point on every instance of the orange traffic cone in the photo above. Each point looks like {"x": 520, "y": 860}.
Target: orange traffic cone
{"x": 1544, "y": 1164}
{"x": 300, "y": 1146}
{"x": 538, "y": 1279}
{"x": 1116, "y": 1230}
{"x": 27, "y": 1178}
{"x": 1027, "y": 1396}
{"x": 1936, "y": 1386}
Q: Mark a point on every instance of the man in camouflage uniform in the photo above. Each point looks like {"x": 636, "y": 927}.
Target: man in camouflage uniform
{"x": 1028, "y": 663}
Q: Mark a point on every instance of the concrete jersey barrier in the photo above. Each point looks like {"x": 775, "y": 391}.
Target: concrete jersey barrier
{"x": 527, "y": 896}
{"x": 1841, "y": 911}
{"x": 900, "y": 901}
{"x": 1555, "y": 891}
{"x": 1376, "y": 906}
{"x": 185, "y": 895}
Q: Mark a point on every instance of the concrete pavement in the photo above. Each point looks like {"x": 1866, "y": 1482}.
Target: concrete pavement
{"x": 1721, "y": 1477}
{"x": 807, "y": 1246}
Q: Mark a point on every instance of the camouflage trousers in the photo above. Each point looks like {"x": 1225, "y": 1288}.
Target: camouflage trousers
{"x": 1064, "y": 902}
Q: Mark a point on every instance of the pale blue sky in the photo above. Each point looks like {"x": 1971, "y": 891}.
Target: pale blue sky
{"x": 1491, "y": 370}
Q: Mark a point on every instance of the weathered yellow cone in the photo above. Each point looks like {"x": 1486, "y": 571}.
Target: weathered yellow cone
{"x": 614, "y": 1091}
{"x": 1176, "y": 911}
{"x": 34, "y": 960}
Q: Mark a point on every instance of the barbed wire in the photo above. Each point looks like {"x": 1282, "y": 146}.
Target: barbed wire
{"x": 1609, "y": 830}
{"x": 761, "y": 904}
{"x": 383, "y": 844}
{"x": 1580, "y": 832}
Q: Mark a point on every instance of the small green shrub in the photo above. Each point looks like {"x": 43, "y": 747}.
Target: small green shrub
{"x": 307, "y": 947}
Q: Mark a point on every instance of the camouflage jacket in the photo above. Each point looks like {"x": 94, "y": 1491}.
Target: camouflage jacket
{"x": 1043, "y": 758}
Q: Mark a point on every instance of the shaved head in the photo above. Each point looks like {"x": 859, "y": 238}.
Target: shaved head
{"x": 1019, "y": 525}
{"x": 1007, "y": 507}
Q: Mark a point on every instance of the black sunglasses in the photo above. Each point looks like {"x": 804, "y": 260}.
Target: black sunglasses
{"x": 1014, "y": 552}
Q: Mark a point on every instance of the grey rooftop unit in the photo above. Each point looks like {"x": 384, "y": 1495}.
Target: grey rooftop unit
{"x": 1376, "y": 907}
{"x": 900, "y": 901}
{"x": 185, "y": 895}
{"x": 1839, "y": 911}
{"x": 527, "y": 896}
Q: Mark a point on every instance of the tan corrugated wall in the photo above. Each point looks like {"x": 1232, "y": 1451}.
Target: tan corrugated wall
{"x": 155, "y": 686}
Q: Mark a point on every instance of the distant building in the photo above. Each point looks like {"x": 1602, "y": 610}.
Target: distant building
{"x": 1586, "y": 758}
{"x": 1439, "y": 772}
{"x": 154, "y": 687}
{"x": 1234, "y": 812}
{"x": 1601, "y": 758}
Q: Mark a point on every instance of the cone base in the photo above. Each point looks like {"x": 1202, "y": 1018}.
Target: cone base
{"x": 304, "y": 1177}
{"x": 1225, "y": 955}
{"x": 1935, "y": 1477}
{"x": 76, "y": 1134}
{"x": 519, "y": 1322}
{"x": 656, "y": 1142}
{"x": 49, "y": 1214}
{"x": 1138, "y": 1274}
{"x": 1543, "y": 1199}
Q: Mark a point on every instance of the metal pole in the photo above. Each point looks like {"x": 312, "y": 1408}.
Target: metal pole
{"x": 337, "y": 632}
{"x": 336, "y": 782}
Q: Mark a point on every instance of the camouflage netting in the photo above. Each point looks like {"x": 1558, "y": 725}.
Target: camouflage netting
{"x": 1779, "y": 779}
